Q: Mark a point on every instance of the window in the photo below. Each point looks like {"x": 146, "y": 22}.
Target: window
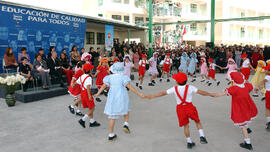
{"x": 260, "y": 34}
{"x": 100, "y": 38}
{"x": 242, "y": 14}
{"x": 90, "y": 38}
{"x": 116, "y": 1}
{"x": 147, "y": 19}
{"x": 126, "y": 19}
{"x": 242, "y": 32}
{"x": 126, "y": 1}
{"x": 193, "y": 8}
{"x": 138, "y": 20}
{"x": 117, "y": 17}
{"x": 193, "y": 27}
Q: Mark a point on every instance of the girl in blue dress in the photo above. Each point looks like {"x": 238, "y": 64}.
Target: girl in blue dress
{"x": 192, "y": 66}
{"x": 184, "y": 61}
{"x": 117, "y": 101}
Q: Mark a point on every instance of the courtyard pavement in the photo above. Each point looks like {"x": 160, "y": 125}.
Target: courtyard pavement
{"x": 48, "y": 126}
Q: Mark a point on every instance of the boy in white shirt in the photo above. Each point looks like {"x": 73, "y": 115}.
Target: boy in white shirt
{"x": 86, "y": 96}
{"x": 142, "y": 68}
{"x": 185, "y": 109}
{"x": 167, "y": 62}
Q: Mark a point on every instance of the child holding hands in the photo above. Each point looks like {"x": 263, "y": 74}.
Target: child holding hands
{"x": 185, "y": 109}
{"x": 118, "y": 101}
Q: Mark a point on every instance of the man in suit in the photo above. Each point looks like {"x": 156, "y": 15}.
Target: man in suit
{"x": 55, "y": 68}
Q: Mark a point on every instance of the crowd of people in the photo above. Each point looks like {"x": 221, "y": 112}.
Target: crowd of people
{"x": 113, "y": 77}
{"x": 114, "y": 70}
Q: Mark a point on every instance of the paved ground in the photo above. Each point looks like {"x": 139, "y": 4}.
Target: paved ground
{"x": 47, "y": 126}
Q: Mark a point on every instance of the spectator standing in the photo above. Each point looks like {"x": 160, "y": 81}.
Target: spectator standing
{"x": 256, "y": 56}
{"x": 52, "y": 49}
{"x": 238, "y": 54}
{"x": 221, "y": 58}
{"x": 75, "y": 56}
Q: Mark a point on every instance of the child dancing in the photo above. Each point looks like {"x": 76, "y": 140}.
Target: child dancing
{"x": 86, "y": 96}
{"x": 167, "y": 62}
{"x": 118, "y": 101}
{"x": 185, "y": 109}
{"x": 243, "y": 108}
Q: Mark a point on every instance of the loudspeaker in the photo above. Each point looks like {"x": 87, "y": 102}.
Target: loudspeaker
{"x": 209, "y": 44}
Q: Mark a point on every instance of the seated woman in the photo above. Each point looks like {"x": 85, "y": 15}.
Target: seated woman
{"x": 66, "y": 67}
{"x": 10, "y": 60}
{"x": 40, "y": 71}
{"x": 24, "y": 54}
{"x": 25, "y": 71}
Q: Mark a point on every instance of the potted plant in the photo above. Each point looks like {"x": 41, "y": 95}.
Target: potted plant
{"x": 11, "y": 83}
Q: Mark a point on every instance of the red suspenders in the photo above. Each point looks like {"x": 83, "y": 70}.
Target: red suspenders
{"x": 83, "y": 82}
{"x": 185, "y": 95}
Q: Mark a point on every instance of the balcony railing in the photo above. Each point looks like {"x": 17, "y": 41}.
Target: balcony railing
{"x": 167, "y": 9}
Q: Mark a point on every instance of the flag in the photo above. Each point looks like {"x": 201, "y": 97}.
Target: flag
{"x": 185, "y": 31}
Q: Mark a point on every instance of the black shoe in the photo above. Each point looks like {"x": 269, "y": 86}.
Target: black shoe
{"x": 151, "y": 84}
{"x": 246, "y": 146}
{"x": 112, "y": 138}
{"x": 209, "y": 84}
{"x": 137, "y": 84}
{"x": 203, "y": 140}
{"x": 255, "y": 95}
{"x": 168, "y": 80}
{"x": 160, "y": 80}
{"x": 190, "y": 145}
{"x": 218, "y": 83}
{"x": 140, "y": 87}
{"x": 98, "y": 99}
{"x": 105, "y": 93}
{"x": 71, "y": 109}
{"x": 268, "y": 126}
{"x": 202, "y": 80}
{"x": 82, "y": 123}
{"x": 153, "y": 81}
{"x": 263, "y": 99}
{"x": 126, "y": 129}
{"x": 94, "y": 124}
{"x": 79, "y": 114}
{"x": 249, "y": 130}
{"x": 193, "y": 80}
{"x": 229, "y": 83}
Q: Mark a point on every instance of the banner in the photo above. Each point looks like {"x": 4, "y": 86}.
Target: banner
{"x": 35, "y": 29}
{"x": 108, "y": 37}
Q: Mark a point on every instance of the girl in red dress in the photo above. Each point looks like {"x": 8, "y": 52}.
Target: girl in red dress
{"x": 76, "y": 90}
{"x": 102, "y": 71}
{"x": 142, "y": 68}
{"x": 85, "y": 81}
{"x": 243, "y": 108}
